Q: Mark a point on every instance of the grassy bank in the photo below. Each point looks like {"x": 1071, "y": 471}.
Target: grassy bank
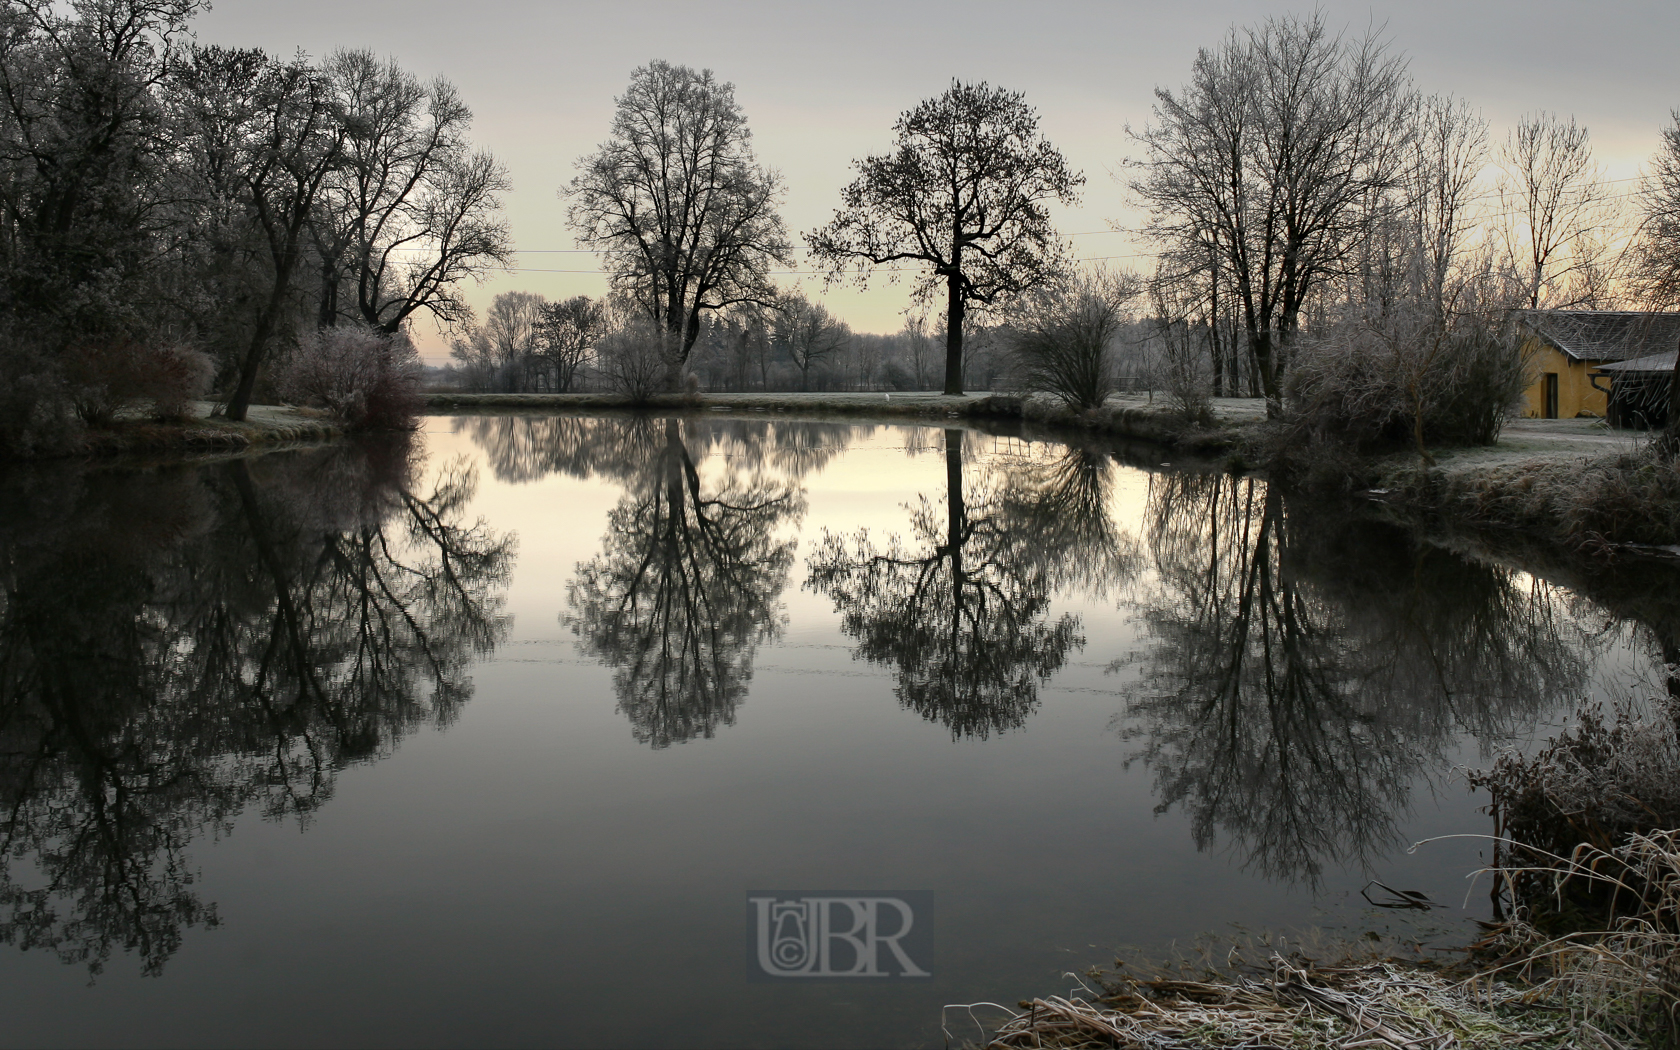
{"x": 265, "y": 426}
{"x": 1594, "y": 497}
{"x": 1282, "y": 999}
{"x": 1549, "y": 996}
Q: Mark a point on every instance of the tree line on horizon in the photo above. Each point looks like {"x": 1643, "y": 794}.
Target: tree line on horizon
{"x": 1329, "y": 238}
{"x": 180, "y": 220}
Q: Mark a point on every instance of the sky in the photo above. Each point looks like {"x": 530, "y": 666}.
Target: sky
{"x": 821, "y": 84}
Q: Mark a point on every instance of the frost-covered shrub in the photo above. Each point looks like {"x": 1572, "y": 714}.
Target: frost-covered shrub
{"x": 174, "y": 376}
{"x": 634, "y": 361}
{"x": 1058, "y": 344}
{"x": 106, "y": 376}
{"x": 1409, "y": 377}
{"x": 369, "y": 380}
{"x": 1061, "y": 340}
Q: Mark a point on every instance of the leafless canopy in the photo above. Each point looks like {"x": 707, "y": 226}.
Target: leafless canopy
{"x": 1449, "y": 149}
{"x": 1657, "y": 253}
{"x": 1271, "y": 156}
{"x": 679, "y": 205}
{"x": 808, "y": 333}
{"x": 413, "y": 211}
{"x": 1659, "y": 234}
{"x": 1553, "y": 195}
{"x": 965, "y": 193}
{"x": 566, "y": 336}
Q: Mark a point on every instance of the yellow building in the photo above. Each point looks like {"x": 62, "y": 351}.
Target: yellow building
{"x": 1563, "y": 347}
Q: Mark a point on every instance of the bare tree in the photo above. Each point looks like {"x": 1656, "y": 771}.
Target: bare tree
{"x": 414, "y": 211}
{"x": 512, "y": 324}
{"x": 921, "y": 349}
{"x": 1190, "y": 296}
{"x": 82, "y": 155}
{"x": 964, "y": 192}
{"x": 808, "y": 333}
{"x": 566, "y": 337}
{"x": 1060, "y": 338}
{"x": 1658, "y": 246}
{"x": 679, "y": 204}
{"x": 1657, "y": 254}
{"x": 634, "y": 358}
{"x": 1553, "y": 198}
{"x": 1449, "y": 151}
{"x": 1272, "y": 155}
{"x": 1183, "y": 348}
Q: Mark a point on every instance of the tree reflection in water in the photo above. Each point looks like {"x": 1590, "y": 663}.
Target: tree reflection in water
{"x": 178, "y": 646}
{"x": 1302, "y": 671}
{"x": 962, "y": 612}
{"x": 686, "y": 587}
{"x": 623, "y": 448}
{"x": 689, "y": 580}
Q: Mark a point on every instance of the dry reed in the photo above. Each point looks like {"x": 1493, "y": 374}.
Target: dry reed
{"x": 1585, "y": 838}
{"x": 1296, "y": 1004}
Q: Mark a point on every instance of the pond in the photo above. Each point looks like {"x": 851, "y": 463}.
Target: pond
{"x": 513, "y": 733}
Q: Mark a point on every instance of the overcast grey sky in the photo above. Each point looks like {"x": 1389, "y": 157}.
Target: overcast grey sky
{"x": 822, "y": 83}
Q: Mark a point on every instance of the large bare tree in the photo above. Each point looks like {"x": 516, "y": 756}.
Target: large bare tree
{"x": 1449, "y": 151}
{"x": 274, "y": 125}
{"x": 679, "y": 205}
{"x": 413, "y": 212}
{"x": 566, "y": 337}
{"x": 964, "y": 192}
{"x": 83, "y": 158}
{"x": 1272, "y": 155}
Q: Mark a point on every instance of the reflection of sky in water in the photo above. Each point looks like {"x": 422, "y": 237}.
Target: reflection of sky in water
{"x": 535, "y": 874}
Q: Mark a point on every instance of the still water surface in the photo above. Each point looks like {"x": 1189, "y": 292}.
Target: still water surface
{"x": 481, "y": 739}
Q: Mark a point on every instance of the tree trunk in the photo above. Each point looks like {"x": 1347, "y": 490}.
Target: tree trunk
{"x": 241, "y": 401}
{"x": 1213, "y": 323}
{"x": 954, "y": 335}
{"x": 1260, "y": 346}
{"x": 956, "y": 512}
{"x": 327, "y": 316}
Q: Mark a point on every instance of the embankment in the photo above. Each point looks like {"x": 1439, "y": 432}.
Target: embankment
{"x": 1625, "y": 501}
{"x": 1131, "y": 417}
{"x": 266, "y": 426}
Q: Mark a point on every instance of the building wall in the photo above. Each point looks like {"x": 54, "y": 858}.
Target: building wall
{"x": 1576, "y": 394}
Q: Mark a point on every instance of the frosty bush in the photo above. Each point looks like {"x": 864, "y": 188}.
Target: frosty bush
{"x": 106, "y": 376}
{"x": 1060, "y": 339}
{"x": 1410, "y": 376}
{"x": 633, "y": 360}
{"x": 369, "y": 380}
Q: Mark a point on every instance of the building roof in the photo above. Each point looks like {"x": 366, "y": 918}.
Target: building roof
{"x": 1605, "y": 335}
{"x": 1652, "y": 363}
